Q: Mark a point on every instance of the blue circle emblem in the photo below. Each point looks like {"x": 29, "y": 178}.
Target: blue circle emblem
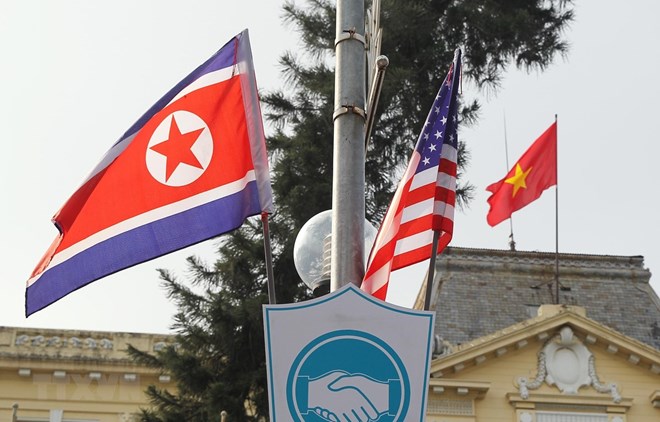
{"x": 346, "y": 376}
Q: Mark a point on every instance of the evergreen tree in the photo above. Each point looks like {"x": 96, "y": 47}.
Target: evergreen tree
{"x": 218, "y": 360}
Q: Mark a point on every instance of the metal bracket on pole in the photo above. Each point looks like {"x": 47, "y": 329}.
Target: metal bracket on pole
{"x": 374, "y": 94}
{"x": 350, "y": 34}
{"x": 348, "y": 177}
{"x": 349, "y": 109}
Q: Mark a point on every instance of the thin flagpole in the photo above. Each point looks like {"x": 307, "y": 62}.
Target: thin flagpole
{"x": 512, "y": 243}
{"x": 557, "y": 220}
{"x": 431, "y": 271}
{"x": 268, "y": 253}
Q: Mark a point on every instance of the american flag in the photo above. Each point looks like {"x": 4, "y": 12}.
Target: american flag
{"x": 425, "y": 198}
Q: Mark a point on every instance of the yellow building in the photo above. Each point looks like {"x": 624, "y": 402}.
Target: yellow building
{"x": 67, "y": 376}
{"x": 558, "y": 367}
{"x": 504, "y": 354}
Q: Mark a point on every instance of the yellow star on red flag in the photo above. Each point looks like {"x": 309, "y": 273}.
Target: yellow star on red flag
{"x": 518, "y": 179}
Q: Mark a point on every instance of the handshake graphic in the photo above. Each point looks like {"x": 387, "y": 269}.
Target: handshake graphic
{"x": 342, "y": 397}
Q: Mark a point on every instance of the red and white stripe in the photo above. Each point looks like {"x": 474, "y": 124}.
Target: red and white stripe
{"x": 423, "y": 202}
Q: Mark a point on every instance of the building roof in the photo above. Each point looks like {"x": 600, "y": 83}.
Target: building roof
{"x": 540, "y": 329}
{"x": 477, "y": 292}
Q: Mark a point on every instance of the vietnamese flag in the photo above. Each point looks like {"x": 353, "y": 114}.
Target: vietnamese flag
{"x": 534, "y": 172}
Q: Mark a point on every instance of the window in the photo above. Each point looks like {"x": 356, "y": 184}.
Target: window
{"x": 570, "y": 417}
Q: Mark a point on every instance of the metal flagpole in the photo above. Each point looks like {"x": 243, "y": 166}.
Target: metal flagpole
{"x": 557, "y": 218}
{"x": 431, "y": 271}
{"x": 512, "y": 243}
{"x": 348, "y": 180}
{"x": 268, "y": 253}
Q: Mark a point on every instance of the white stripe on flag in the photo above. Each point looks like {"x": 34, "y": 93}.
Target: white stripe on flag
{"x": 424, "y": 178}
{"x": 378, "y": 279}
{"x": 110, "y": 156}
{"x": 446, "y": 181}
{"x": 443, "y": 208}
{"x": 418, "y": 210}
{"x": 147, "y": 217}
{"x": 413, "y": 242}
{"x": 390, "y": 225}
{"x": 205, "y": 80}
{"x": 449, "y": 153}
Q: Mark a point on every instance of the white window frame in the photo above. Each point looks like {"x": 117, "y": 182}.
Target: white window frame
{"x": 560, "y": 416}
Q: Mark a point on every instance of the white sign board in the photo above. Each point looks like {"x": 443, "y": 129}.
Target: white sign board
{"x": 347, "y": 357}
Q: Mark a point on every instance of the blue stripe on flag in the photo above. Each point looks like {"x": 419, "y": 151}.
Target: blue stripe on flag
{"x": 142, "y": 244}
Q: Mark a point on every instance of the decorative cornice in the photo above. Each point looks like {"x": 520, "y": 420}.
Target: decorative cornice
{"x": 582, "y": 399}
{"x": 91, "y": 343}
{"x": 61, "y": 345}
{"x": 569, "y": 264}
{"x": 536, "y": 329}
{"x": 655, "y": 399}
{"x": 474, "y": 389}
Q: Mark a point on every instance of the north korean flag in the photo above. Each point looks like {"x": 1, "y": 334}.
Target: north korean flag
{"x": 192, "y": 167}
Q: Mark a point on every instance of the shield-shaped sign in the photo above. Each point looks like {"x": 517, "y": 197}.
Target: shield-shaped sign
{"x": 347, "y": 357}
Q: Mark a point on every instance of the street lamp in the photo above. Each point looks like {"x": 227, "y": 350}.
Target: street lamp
{"x": 312, "y": 251}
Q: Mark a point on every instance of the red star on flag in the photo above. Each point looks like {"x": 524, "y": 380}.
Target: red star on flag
{"x": 178, "y": 148}
{"x": 161, "y": 187}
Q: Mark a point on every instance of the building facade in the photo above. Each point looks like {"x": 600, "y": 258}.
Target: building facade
{"x": 67, "y": 376}
{"x": 506, "y": 352}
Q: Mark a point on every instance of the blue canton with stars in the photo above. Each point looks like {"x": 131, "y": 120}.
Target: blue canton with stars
{"x": 441, "y": 123}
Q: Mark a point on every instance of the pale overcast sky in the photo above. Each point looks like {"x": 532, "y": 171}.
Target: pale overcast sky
{"x": 76, "y": 74}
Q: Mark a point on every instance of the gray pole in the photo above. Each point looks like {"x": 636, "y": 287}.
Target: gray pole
{"x": 348, "y": 160}
{"x": 557, "y": 301}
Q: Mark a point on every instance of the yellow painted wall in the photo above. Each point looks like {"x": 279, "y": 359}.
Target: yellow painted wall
{"x": 113, "y": 394}
{"x": 634, "y": 382}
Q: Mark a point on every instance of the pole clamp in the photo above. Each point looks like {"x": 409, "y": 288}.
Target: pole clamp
{"x": 349, "y": 109}
{"x": 349, "y": 34}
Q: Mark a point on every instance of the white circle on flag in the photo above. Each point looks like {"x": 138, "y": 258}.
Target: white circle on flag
{"x": 199, "y": 149}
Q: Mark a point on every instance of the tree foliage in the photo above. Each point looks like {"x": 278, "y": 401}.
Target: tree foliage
{"x": 218, "y": 359}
